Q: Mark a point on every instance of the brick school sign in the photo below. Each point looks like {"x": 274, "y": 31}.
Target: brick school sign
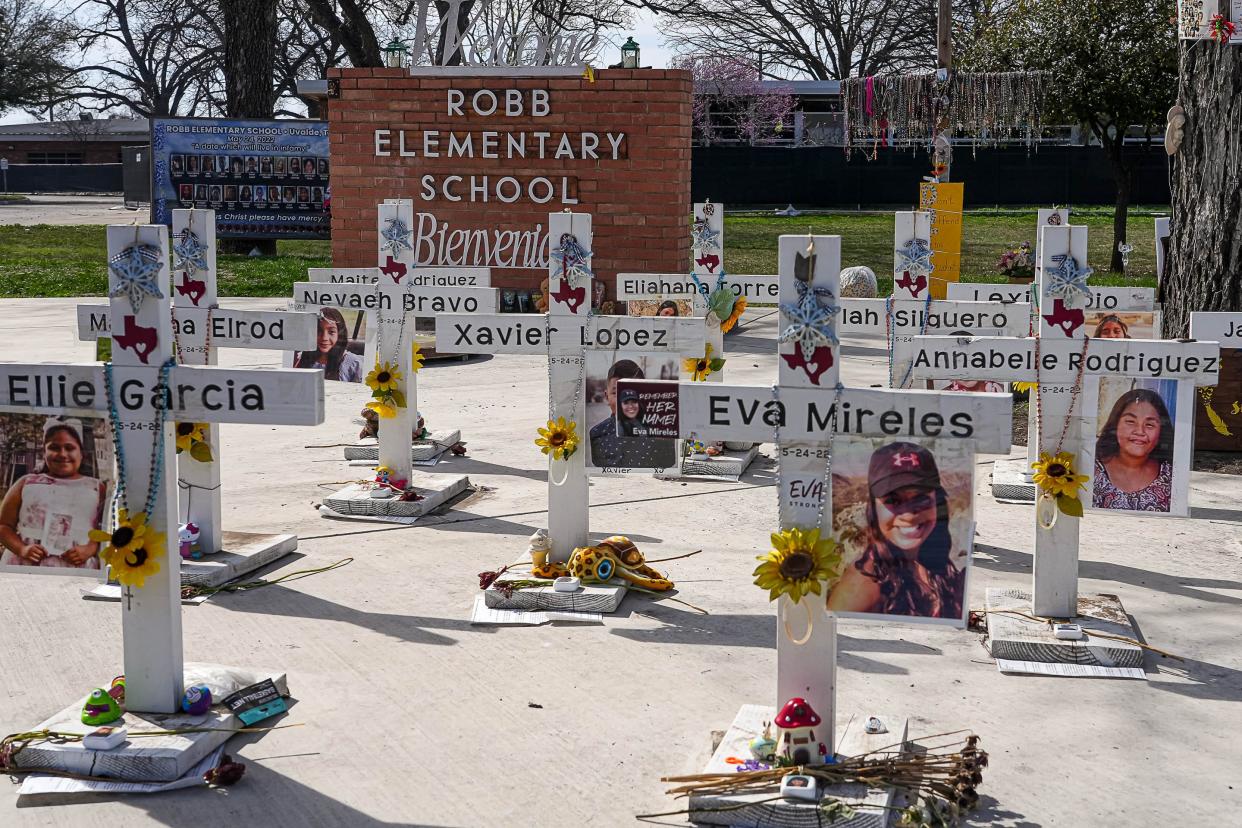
{"x": 485, "y": 159}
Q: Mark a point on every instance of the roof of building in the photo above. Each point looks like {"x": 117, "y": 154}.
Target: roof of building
{"x": 88, "y": 129}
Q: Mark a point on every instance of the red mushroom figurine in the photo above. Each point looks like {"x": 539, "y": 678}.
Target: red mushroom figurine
{"x": 795, "y": 727}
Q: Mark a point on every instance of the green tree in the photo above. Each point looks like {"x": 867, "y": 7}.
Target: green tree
{"x": 1113, "y": 65}
{"x": 33, "y": 44}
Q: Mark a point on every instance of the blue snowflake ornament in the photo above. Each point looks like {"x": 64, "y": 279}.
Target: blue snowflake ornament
{"x": 396, "y": 237}
{"x": 573, "y": 258}
{"x": 190, "y": 253}
{"x": 1067, "y": 279}
{"x": 914, "y": 257}
{"x": 136, "y": 269}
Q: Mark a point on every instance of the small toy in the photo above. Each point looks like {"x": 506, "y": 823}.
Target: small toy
{"x": 763, "y": 747}
{"x": 197, "y": 700}
{"x": 188, "y": 535}
{"x": 800, "y": 786}
{"x": 104, "y": 738}
{"x": 117, "y": 691}
{"x": 385, "y": 484}
{"x": 100, "y": 708}
{"x": 796, "y": 742}
{"x": 697, "y": 451}
{"x": 874, "y": 725}
{"x": 540, "y": 547}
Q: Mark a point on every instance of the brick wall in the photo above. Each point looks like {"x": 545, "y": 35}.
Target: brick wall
{"x": 640, "y": 202}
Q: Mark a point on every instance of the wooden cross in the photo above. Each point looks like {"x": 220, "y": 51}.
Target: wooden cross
{"x": 564, "y": 334}
{"x": 396, "y": 298}
{"x": 200, "y": 326}
{"x": 1060, "y": 358}
{"x": 151, "y": 615}
{"x": 801, "y": 414}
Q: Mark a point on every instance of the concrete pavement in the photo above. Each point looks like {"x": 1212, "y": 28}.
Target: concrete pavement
{"x": 414, "y": 717}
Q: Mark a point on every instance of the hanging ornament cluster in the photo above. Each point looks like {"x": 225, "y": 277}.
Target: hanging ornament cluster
{"x": 1221, "y": 28}
{"x": 904, "y": 110}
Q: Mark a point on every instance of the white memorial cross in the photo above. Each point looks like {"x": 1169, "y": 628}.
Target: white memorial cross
{"x": 564, "y": 333}
{"x": 912, "y": 255}
{"x": 1059, "y": 358}
{"x": 139, "y": 285}
{"x": 801, "y": 414}
{"x": 390, "y": 303}
{"x": 200, "y": 326}
{"x": 1119, "y": 299}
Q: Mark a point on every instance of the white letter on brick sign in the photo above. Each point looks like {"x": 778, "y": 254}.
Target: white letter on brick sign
{"x": 455, "y": 99}
{"x": 382, "y": 139}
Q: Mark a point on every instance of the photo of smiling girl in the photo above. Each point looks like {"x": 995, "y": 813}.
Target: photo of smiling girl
{"x": 905, "y": 527}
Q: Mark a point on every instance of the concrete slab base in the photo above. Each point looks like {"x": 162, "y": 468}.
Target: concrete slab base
{"x": 852, "y": 740}
{"x": 421, "y": 451}
{"x": 355, "y": 499}
{"x": 1012, "y": 482}
{"x": 1015, "y": 638}
{"x": 153, "y": 758}
{"x": 243, "y": 553}
{"x": 728, "y": 465}
{"x": 586, "y": 599}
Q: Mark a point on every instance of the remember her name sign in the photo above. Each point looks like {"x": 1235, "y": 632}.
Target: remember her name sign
{"x": 738, "y": 412}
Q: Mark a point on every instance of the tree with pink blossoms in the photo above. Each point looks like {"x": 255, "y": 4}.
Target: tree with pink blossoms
{"x": 731, "y": 103}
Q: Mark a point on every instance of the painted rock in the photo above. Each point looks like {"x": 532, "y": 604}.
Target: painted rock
{"x": 197, "y": 700}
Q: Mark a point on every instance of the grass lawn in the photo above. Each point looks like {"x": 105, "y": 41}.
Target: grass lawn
{"x": 44, "y": 260}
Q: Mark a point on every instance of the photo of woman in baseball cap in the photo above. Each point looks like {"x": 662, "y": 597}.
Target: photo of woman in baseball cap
{"x": 901, "y": 558}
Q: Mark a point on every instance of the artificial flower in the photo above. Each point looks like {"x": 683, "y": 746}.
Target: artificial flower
{"x": 700, "y": 368}
{"x": 382, "y": 409}
{"x": 798, "y": 563}
{"x": 727, "y": 324}
{"x": 192, "y": 437}
{"x": 125, "y": 538}
{"x": 1025, "y": 386}
{"x": 559, "y": 440}
{"x": 1054, "y": 473}
{"x": 1221, "y": 28}
{"x": 416, "y": 358}
{"x": 132, "y": 549}
{"x": 384, "y": 377}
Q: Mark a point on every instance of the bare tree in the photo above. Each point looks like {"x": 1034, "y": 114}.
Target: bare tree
{"x": 302, "y": 53}
{"x": 541, "y": 31}
{"x": 823, "y": 39}
{"x": 33, "y": 41}
{"x": 156, "y": 65}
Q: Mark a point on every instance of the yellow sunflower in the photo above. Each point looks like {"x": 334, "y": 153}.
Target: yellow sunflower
{"x": 383, "y": 377}
{"x": 700, "y": 368}
{"x": 798, "y": 563}
{"x": 416, "y": 358}
{"x": 132, "y": 549}
{"x": 382, "y": 409}
{"x": 1055, "y": 474}
{"x": 1025, "y": 386}
{"x": 190, "y": 433}
{"x": 559, "y": 440}
{"x": 726, "y": 325}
